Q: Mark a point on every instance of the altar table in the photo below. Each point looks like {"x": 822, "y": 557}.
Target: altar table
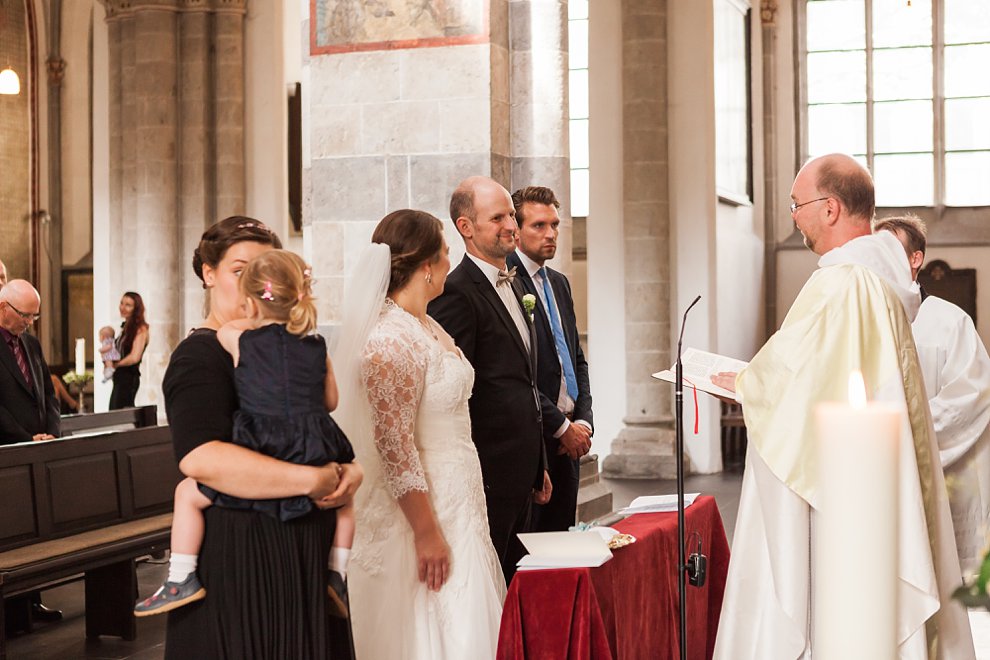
{"x": 628, "y": 607}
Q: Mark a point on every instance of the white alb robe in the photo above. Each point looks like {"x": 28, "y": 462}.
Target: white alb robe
{"x": 956, "y": 368}
{"x": 853, "y": 313}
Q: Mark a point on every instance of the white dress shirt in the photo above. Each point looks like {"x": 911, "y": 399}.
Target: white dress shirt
{"x": 508, "y": 297}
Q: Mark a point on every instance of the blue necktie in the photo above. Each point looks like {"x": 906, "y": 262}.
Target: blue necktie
{"x": 558, "y": 338}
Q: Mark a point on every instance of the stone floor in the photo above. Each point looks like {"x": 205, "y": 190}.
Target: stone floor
{"x": 67, "y": 639}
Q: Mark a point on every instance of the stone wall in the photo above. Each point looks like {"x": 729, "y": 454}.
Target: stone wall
{"x": 15, "y": 205}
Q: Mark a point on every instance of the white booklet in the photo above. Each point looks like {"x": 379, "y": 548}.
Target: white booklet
{"x": 564, "y": 550}
{"x": 658, "y": 503}
{"x": 699, "y": 367}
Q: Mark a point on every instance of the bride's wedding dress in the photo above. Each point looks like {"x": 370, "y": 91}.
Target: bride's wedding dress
{"x": 418, "y": 393}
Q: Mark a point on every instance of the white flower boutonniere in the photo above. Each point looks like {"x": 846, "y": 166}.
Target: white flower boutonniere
{"x": 529, "y": 304}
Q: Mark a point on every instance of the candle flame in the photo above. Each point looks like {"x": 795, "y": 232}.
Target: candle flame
{"x": 857, "y": 390}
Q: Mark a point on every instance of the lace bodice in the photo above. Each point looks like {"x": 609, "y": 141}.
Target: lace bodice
{"x": 407, "y": 374}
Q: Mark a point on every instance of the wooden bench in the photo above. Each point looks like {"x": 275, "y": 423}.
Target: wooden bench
{"x": 85, "y": 506}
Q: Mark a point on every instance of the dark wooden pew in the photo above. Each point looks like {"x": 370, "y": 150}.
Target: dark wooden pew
{"x": 139, "y": 417}
{"x": 85, "y": 505}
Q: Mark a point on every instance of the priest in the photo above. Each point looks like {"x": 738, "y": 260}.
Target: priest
{"x": 854, "y": 313}
{"x": 956, "y": 369}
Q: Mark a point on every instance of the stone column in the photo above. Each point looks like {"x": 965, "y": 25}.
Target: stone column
{"x": 399, "y": 124}
{"x": 176, "y": 151}
{"x": 539, "y": 106}
{"x": 768, "y": 23}
{"x": 645, "y": 445}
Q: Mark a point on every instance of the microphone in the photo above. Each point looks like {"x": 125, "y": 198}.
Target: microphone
{"x": 683, "y": 323}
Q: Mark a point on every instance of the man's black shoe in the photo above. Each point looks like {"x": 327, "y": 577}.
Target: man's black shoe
{"x": 42, "y": 613}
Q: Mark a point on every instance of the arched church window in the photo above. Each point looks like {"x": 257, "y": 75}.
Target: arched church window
{"x": 902, "y": 85}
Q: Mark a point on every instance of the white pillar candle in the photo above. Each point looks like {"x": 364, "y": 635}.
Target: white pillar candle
{"x": 855, "y": 532}
{"x": 80, "y": 356}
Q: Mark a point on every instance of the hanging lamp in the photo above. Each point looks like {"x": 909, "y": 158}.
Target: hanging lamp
{"x": 10, "y": 83}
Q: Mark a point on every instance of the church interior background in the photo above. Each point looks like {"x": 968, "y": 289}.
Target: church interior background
{"x": 671, "y": 130}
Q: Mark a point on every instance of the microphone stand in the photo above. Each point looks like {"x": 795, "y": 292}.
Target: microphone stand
{"x": 682, "y": 567}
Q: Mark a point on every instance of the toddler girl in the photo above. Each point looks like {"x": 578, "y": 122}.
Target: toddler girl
{"x": 286, "y": 388}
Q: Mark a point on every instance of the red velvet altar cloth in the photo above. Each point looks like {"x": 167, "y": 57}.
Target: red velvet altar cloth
{"x": 626, "y": 608}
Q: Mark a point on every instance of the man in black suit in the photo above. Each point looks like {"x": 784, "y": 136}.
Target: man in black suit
{"x": 562, "y": 371}
{"x": 28, "y": 407}
{"x": 481, "y": 308}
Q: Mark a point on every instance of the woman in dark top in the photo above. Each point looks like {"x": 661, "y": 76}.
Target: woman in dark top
{"x": 266, "y": 580}
{"x": 131, "y": 343}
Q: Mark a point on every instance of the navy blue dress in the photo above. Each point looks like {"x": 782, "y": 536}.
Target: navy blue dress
{"x": 280, "y": 387}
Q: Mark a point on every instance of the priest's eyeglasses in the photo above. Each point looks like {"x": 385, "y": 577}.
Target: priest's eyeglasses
{"x": 795, "y": 206}
{"x": 23, "y": 315}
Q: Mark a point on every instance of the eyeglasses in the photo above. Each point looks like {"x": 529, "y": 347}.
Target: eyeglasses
{"x": 795, "y": 206}
{"x": 27, "y": 317}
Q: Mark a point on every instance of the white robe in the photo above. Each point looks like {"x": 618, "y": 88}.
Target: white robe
{"x": 853, "y": 313}
{"x": 956, "y": 368}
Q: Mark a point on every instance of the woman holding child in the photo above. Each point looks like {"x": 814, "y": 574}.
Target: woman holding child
{"x": 265, "y": 576}
{"x": 129, "y": 348}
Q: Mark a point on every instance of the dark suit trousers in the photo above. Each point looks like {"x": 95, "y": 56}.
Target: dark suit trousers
{"x": 558, "y": 514}
{"x": 508, "y": 516}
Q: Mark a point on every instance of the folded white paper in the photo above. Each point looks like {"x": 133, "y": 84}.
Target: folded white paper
{"x": 658, "y": 503}
{"x": 564, "y": 550}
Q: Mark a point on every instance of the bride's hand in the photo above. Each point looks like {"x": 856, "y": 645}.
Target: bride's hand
{"x": 433, "y": 557}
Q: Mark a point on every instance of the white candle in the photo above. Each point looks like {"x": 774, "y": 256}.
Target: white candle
{"x": 855, "y": 532}
{"x": 80, "y": 356}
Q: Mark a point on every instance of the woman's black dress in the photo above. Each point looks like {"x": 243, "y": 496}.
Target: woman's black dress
{"x": 126, "y": 380}
{"x": 266, "y": 580}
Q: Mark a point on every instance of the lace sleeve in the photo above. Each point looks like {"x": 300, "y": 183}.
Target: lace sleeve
{"x": 394, "y": 374}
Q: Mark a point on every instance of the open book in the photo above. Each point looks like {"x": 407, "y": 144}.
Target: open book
{"x": 699, "y": 367}
{"x": 564, "y": 549}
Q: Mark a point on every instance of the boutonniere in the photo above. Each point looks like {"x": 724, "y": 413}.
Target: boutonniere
{"x": 529, "y": 304}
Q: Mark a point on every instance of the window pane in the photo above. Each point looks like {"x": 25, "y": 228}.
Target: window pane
{"x": 966, "y": 125}
{"x": 966, "y": 179}
{"x": 966, "y": 21}
{"x": 904, "y": 180}
{"x": 966, "y": 70}
{"x": 902, "y": 126}
{"x": 901, "y": 23}
{"x": 577, "y": 48}
{"x": 579, "y": 143}
{"x": 580, "y": 193}
{"x": 836, "y": 128}
{"x": 836, "y": 77}
{"x": 577, "y": 9}
{"x": 836, "y": 25}
{"x": 903, "y": 73}
{"x": 579, "y": 94}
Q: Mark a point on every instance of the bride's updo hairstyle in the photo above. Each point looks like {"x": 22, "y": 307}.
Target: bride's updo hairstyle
{"x": 220, "y": 237}
{"x": 413, "y": 237}
{"x": 281, "y": 285}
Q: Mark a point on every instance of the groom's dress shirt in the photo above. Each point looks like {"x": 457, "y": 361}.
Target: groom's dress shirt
{"x": 507, "y": 296}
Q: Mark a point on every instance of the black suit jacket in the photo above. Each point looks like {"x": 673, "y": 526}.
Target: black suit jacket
{"x": 548, "y": 376}
{"x": 26, "y": 411}
{"x": 505, "y": 408}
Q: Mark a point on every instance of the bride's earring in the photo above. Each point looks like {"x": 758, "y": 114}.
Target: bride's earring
{"x": 429, "y": 277}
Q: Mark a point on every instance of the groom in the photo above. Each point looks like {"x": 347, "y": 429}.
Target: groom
{"x": 482, "y": 310}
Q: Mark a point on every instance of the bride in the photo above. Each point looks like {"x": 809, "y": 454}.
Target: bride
{"x": 425, "y": 581}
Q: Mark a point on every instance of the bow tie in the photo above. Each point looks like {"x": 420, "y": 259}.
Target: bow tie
{"x": 506, "y": 277}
